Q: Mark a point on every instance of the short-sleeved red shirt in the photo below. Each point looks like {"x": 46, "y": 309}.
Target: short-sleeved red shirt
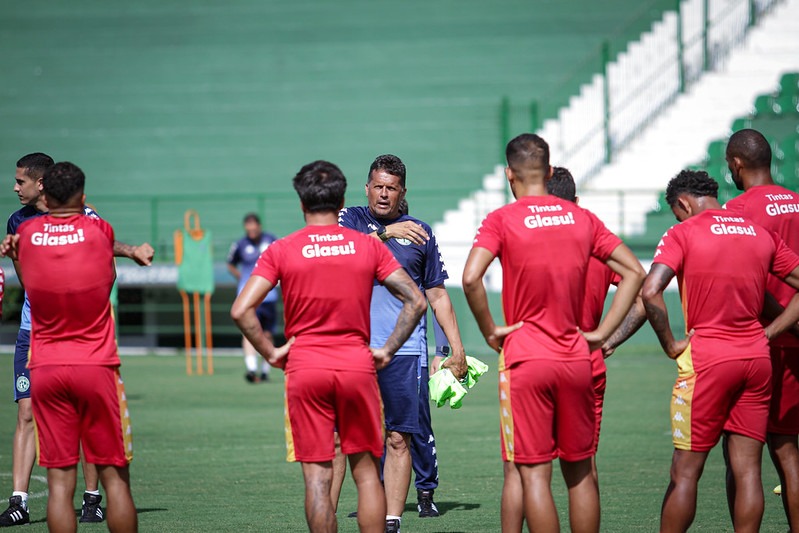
{"x": 327, "y": 274}
{"x": 777, "y": 209}
{"x": 722, "y": 262}
{"x": 544, "y": 244}
{"x": 68, "y": 270}
{"x": 598, "y": 280}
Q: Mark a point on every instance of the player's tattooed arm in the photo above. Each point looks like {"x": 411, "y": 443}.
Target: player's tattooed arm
{"x": 636, "y": 317}
{"x": 243, "y": 314}
{"x": 142, "y": 254}
{"x": 786, "y": 320}
{"x": 414, "y": 305}
{"x": 476, "y": 266}
{"x": 659, "y": 277}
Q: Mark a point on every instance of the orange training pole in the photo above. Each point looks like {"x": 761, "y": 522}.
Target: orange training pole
{"x": 209, "y": 342}
{"x": 198, "y": 333}
{"x": 187, "y": 330}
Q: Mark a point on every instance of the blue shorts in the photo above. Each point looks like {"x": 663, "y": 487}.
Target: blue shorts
{"x": 22, "y": 376}
{"x": 267, "y": 316}
{"x": 399, "y": 388}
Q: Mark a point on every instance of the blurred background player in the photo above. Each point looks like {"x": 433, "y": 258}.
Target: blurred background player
{"x": 240, "y": 261}
{"x": 777, "y": 209}
{"x": 67, "y": 262}
{"x": 413, "y": 244}
{"x": 722, "y": 261}
{"x": 330, "y": 368}
{"x": 546, "y": 395}
{"x": 28, "y": 187}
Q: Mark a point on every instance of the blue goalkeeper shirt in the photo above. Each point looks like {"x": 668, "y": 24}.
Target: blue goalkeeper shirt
{"x": 423, "y": 264}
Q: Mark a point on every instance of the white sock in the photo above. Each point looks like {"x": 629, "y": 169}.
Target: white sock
{"x": 92, "y": 492}
{"x": 24, "y": 498}
{"x": 392, "y": 517}
{"x": 251, "y": 362}
{"x": 265, "y": 368}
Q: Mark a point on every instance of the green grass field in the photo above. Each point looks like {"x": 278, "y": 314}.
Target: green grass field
{"x": 210, "y": 454}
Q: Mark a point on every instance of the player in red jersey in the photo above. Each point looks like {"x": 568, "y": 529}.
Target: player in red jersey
{"x": 327, "y": 274}
{"x": 599, "y": 278}
{"x": 544, "y": 244}
{"x": 777, "y": 209}
{"x": 66, "y": 260}
{"x": 722, "y": 261}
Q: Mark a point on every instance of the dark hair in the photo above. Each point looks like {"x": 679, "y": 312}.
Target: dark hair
{"x": 390, "y": 164}
{"x": 692, "y": 182}
{"x": 62, "y": 182}
{"x": 321, "y": 187}
{"x": 751, "y": 147}
{"x": 561, "y": 184}
{"x": 527, "y": 152}
{"x": 35, "y": 164}
{"x": 252, "y": 217}
{"x": 403, "y": 207}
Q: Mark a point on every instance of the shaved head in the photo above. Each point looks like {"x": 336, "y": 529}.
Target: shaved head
{"x": 751, "y": 148}
{"x": 528, "y": 156}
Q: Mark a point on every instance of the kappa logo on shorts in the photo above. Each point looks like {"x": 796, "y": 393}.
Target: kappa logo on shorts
{"x": 23, "y": 384}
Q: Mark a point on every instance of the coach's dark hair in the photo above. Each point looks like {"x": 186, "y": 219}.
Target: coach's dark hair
{"x": 389, "y": 164}
{"x": 527, "y": 153}
{"x": 321, "y": 187}
{"x": 751, "y": 147}
{"x": 252, "y": 217}
{"x": 403, "y": 207}
{"x": 35, "y": 164}
{"x": 693, "y": 182}
{"x": 561, "y": 184}
{"x": 62, "y": 182}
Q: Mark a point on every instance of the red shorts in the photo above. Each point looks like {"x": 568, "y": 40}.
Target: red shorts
{"x": 81, "y": 405}
{"x": 318, "y": 402}
{"x": 783, "y": 416}
{"x": 731, "y": 396}
{"x": 546, "y": 411}
{"x": 600, "y": 383}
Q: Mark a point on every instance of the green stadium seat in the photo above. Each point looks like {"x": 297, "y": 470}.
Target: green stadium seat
{"x": 789, "y": 83}
{"x": 716, "y": 151}
{"x": 763, "y": 105}
{"x": 786, "y": 104}
{"x": 741, "y": 123}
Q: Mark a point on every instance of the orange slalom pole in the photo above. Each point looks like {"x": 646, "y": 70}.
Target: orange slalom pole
{"x": 198, "y": 333}
{"x": 187, "y": 330}
{"x": 209, "y": 343}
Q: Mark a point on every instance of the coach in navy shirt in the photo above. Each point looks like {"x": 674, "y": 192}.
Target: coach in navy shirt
{"x": 413, "y": 244}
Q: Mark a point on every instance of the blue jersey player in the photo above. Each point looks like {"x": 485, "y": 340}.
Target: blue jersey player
{"x": 241, "y": 260}
{"x": 28, "y": 187}
{"x": 414, "y": 246}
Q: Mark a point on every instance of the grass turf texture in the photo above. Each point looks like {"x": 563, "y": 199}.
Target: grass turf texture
{"x": 210, "y": 454}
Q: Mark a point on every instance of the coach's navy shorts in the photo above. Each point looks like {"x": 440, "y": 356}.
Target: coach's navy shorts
{"x": 22, "y": 376}
{"x": 399, "y": 388}
{"x": 267, "y": 316}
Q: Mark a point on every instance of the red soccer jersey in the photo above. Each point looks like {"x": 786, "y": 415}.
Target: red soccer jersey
{"x": 777, "y": 209}
{"x": 327, "y": 274}
{"x": 544, "y": 244}
{"x": 598, "y": 280}
{"x": 722, "y": 263}
{"x": 67, "y": 267}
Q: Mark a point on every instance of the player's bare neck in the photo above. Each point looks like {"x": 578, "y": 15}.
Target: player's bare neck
{"x": 325, "y": 218}
{"x": 65, "y": 211}
{"x": 756, "y": 178}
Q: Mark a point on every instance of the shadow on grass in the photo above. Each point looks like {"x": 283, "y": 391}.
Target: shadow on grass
{"x": 139, "y": 510}
{"x": 445, "y": 507}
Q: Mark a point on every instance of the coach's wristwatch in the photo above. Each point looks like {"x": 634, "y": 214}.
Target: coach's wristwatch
{"x": 381, "y": 232}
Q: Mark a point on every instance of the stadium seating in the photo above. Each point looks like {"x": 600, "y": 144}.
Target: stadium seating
{"x": 169, "y": 105}
{"x": 776, "y": 116}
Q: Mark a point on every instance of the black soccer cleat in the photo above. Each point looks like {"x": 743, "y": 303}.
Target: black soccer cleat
{"x": 251, "y": 377}
{"x": 425, "y": 504}
{"x": 393, "y": 526}
{"x": 16, "y": 514}
{"x": 264, "y": 377}
{"x": 91, "y": 510}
